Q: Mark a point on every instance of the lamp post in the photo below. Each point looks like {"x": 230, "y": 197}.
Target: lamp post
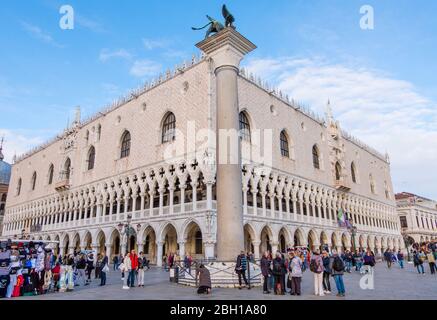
{"x": 354, "y": 233}
{"x": 407, "y": 243}
{"x": 126, "y": 230}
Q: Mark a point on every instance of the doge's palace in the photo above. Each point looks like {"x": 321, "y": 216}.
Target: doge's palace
{"x": 150, "y": 159}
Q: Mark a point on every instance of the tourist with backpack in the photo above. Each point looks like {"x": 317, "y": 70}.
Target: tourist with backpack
{"x": 241, "y": 268}
{"x": 400, "y": 256}
{"x": 326, "y": 272}
{"x": 80, "y": 267}
{"x": 369, "y": 261}
{"x": 337, "y": 268}
{"x": 431, "y": 261}
{"x": 348, "y": 261}
{"x": 266, "y": 271}
{"x": 279, "y": 270}
{"x": 388, "y": 258}
{"x": 295, "y": 269}
{"x": 316, "y": 267}
{"x": 418, "y": 262}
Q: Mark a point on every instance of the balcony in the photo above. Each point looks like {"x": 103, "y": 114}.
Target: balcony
{"x": 62, "y": 185}
{"x": 342, "y": 185}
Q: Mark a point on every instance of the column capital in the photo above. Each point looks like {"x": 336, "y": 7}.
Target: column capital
{"x": 227, "y": 48}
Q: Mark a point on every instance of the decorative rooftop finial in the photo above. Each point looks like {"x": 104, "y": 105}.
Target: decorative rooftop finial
{"x": 329, "y": 116}
{"x": 77, "y": 116}
{"x": 216, "y": 26}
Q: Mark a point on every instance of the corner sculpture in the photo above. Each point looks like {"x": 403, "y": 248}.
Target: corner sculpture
{"x": 216, "y": 26}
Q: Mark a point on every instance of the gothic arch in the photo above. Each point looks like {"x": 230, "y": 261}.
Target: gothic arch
{"x": 299, "y": 238}
{"x": 284, "y": 239}
{"x": 249, "y": 238}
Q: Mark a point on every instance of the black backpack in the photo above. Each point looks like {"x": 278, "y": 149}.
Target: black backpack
{"x": 277, "y": 267}
{"x": 338, "y": 264}
{"x": 314, "y": 266}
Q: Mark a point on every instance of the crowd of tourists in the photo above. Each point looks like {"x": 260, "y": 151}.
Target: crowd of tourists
{"x": 30, "y": 268}
{"x": 427, "y": 253}
{"x": 285, "y": 271}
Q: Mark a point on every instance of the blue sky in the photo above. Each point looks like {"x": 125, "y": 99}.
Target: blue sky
{"x": 381, "y": 82}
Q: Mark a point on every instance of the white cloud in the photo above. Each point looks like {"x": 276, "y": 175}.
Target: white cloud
{"x": 145, "y": 68}
{"x": 387, "y": 113}
{"x": 151, "y": 44}
{"x": 39, "y": 34}
{"x": 89, "y": 24}
{"x": 106, "y": 54}
{"x": 20, "y": 141}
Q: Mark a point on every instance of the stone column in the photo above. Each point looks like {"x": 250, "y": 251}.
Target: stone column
{"x": 171, "y": 190}
{"x": 226, "y": 49}
{"x": 209, "y": 195}
{"x": 161, "y": 200}
{"x": 123, "y": 245}
{"x": 111, "y": 207}
{"x": 280, "y": 197}
{"x": 95, "y": 249}
{"x": 151, "y": 196}
{"x": 245, "y": 190}
{"x": 118, "y": 208}
{"x": 194, "y": 185}
{"x": 109, "y": 252}
{"x": 209, "y": 250}
{"x": 142, "y": 202}
{"x": 263, "y": 198}
{"x": 255, "y": 204}
{"x": 159, "y": 254}
{"x": 287, "y": 206}
{"x": 182, "y": 201}
{"x": 274, "y": 248}
{"x": 134, "y": 203}
{"x": 99, "y": 213}
{"x": 182, "y": 249}
{"x": 272, "y": 204}
{"x": 256, "y": 245}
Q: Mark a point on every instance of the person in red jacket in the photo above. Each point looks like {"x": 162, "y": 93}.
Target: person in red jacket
{"x": 17, "y": 288}
{"x": 133, "y": 271}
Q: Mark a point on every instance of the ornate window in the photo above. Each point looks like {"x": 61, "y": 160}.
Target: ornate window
{"x": 67, "y": 169}
{"x": 387, "y": 191}
{"x": 199, "y": 242}
{"x": 19, "y": 187}
{"x": 285, "y": 152}
{"x": 353, "y": 172}
{"x": 91, "y": 158}
{"x": 125, "y": 145}
{"x": 51, "y": 171}
{"x": 33, "y": 181}
{"x": 99, "y": 132}
{"x": 244, "y": 127}
{"x": 316, "y": 157}
{"x": 337, "y": 171}
{"x": 169, "y": 128}
{"x": 372, "y": 184}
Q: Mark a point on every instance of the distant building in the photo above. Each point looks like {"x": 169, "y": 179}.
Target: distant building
{"x": 5, "y": 176}
{"x": 417, "y": 216}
